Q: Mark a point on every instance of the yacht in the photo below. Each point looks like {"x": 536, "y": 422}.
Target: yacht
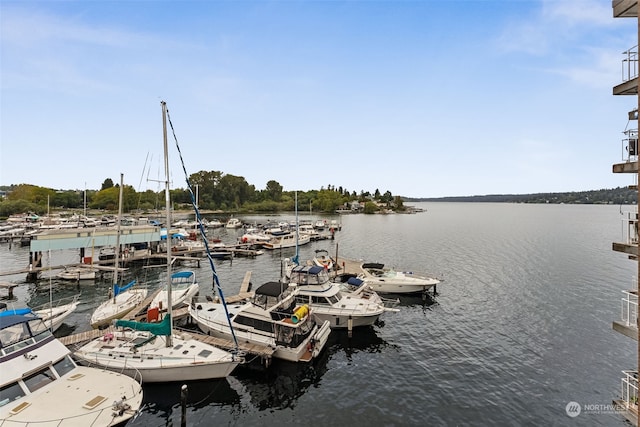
{"x": 272, "y": 317}
{"x": 328, "y": 303}
{"x": 288, "y": 240}
{"x": 42, "y": 385}
{"x": 387, "y": 280}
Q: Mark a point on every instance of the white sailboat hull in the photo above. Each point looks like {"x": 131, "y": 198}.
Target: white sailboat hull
{"x": 124, "y": 303}
{"x": 186, "y": 360}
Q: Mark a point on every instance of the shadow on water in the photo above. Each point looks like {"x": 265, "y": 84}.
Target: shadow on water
{"x": 280, "y": 385}
{"x": 427, "y": 301}
{"x": 163, "y": 400}
{"x": 363, "y": 339}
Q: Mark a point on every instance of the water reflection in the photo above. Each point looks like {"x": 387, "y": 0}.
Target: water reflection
{"x": 362, "y": 340}
{"x": 280, "y": 385}
{"x": 162, "y": 401}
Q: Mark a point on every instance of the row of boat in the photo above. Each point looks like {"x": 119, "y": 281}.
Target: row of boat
{"x": 99, "y": 382}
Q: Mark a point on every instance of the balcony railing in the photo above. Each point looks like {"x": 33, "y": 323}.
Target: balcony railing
{"x": 630, "y": 145}
{"x": 629, "y": 309}
{"x": 630, "y": 228}
{"x": 629, "y": 390}
{"x": 630, "y": 64}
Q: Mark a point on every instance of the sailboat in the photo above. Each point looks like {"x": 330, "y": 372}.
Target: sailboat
{"x": 157, "y": 351}
{"x": 125, "y": 298}
{"x": 184, "y": 286}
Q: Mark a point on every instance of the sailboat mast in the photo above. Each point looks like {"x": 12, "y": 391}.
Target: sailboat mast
{"x": 117, "y": 249}
{"x": 168, "y": 219}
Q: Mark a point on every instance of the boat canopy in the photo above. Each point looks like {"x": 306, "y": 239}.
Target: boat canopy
{"x": 160, "y": 328}
{"x": 16, "y": 311}
{"x": 117, "y": 290}
{"x": 270, "y": 289}
{"x": 373, "y": 265}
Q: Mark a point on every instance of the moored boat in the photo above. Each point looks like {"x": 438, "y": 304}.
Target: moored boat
{"x": 270, "y": 318}
{"x": 42, "y": 385}
{"x": 387, "y": 280}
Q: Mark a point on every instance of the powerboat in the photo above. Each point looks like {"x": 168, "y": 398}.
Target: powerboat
{"x": 288, "y": 240}
{"x": 271, "y": 317}
{"x": 42, "y": 385}
{"x": 77, "y": 273}
{"x": 329, "y": 303}
{"x": 387, "y": 280}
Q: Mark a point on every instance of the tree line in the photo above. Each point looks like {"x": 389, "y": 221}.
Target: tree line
{"x": 616, "y": 196}
{"x": 215, "y": 191}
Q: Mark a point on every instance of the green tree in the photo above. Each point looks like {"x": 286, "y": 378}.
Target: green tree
{"x": 108, "y": 183}
{"x": 274, "y": 190}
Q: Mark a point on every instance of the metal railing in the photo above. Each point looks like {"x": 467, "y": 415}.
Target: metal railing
{"x": 630, "y": 64}
{"x": 629, "y": 389}
{"x": 630, "y": 228}
{"x": 629, "y": 309}
{"x": 630, "y": 145}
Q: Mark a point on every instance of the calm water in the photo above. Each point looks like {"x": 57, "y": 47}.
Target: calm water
{"x": 521, "y": 325}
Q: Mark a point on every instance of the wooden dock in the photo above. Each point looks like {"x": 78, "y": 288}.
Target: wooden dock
{"x": 140, "y": 313}
{"x": 244, "y": 293}
{"x": 86, "y": 336}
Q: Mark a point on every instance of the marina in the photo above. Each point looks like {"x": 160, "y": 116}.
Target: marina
{"x": 509, "y": 280}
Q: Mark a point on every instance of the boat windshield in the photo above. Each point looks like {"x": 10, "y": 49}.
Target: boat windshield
{"x": 20, "y": 334}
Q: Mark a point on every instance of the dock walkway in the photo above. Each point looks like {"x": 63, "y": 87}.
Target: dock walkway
{"x": 140, "y": 313}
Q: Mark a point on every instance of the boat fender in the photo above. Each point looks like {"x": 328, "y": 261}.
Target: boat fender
{"x": 300, "y": 313}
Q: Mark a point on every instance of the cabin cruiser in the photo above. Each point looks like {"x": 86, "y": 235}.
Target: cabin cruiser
{"x": 387, "y": 280}
{"x": 40, "y": 384}
{"x": 271, "y": 318}
{"x": 329, "y": 303}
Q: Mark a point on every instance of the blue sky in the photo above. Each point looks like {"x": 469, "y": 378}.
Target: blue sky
{"x": 419, "y": 98}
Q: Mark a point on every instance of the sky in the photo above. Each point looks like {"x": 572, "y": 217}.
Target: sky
{"x": 422, "y": 98}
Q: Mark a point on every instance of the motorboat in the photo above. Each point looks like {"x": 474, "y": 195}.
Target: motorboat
{"x": 387, "y": 280}
{"x": 288, "y": 240}
{"x": 77, "y": 273}
{"x": 125, "y": 298}
{"x": 42, "y": 385}
{"x": 324, "y": 260}
{"x": 328, "y": 303}
{"x": 233, "y": 223}
{"x": 183, "y": 287}
{"x": 156, "y": 350}
{"x": 271, "y": 317}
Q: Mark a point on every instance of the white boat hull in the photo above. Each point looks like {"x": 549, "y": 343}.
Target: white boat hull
{"x": 109, "y": 311}
{"x": 186, "y": 360}
{"x": 211, "y": 320}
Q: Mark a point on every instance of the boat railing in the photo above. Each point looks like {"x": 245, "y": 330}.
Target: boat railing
{"x": 630, "y": 64}
{"x": 630, "y": 145}
{"x": 629, "y": 308}
{"x": 629, "y": 390}
{"x": 57, "y": 303}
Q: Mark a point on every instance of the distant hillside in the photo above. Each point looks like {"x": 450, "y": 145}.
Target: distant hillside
{"x": 616, "y": 196}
